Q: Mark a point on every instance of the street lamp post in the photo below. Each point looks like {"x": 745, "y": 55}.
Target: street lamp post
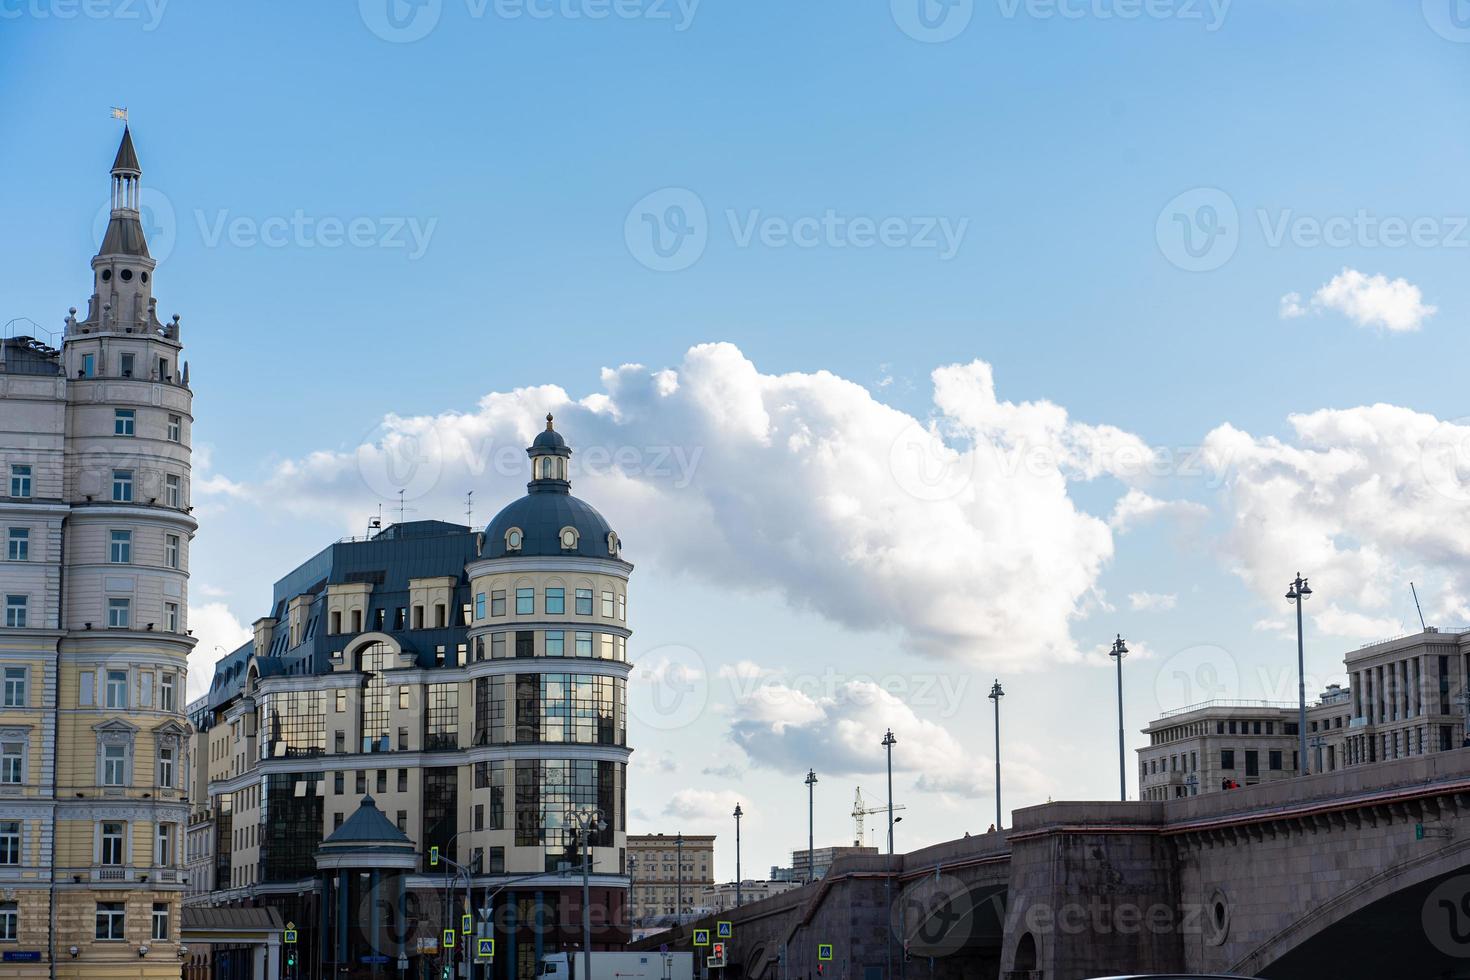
{"x": 811, "y": 849}
{"x": 1119, "y": 651}
{"x": 1297, "y": 592}
{"x": 996, "y": 693}
{"x": 679, "y": 872}
{"x": 587, "y": 821}
{"x": 738, "y": 814}
{"x": 888, "y": 742}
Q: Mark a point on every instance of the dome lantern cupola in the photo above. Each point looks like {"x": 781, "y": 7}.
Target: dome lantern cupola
{"x": 549, "y": 457}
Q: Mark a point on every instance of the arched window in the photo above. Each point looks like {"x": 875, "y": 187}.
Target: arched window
{"x": 514, "y": 538}
{"x": 613, "y": 544}
{"x": 568, "y": 538}
{"x": 372, "y": 660}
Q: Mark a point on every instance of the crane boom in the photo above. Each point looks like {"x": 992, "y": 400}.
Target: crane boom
{"x": 860, "y": 813}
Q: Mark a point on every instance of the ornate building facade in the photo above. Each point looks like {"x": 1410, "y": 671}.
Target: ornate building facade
{"x": 95, "y": 515}
{"x": 474, "y": 685}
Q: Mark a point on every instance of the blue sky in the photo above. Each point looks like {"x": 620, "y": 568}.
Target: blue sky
{"x": 1063, "y": 145}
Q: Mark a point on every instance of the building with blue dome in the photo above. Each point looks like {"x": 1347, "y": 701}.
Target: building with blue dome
{"x": 474, "y": 683}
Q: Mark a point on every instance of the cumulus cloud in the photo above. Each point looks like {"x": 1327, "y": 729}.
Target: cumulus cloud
{"x": 1362, "y": 501}
{"x": 1152, "y": 600}
{"x": 1136, "y": 507}
{"x": 1395, "y": 305}
{"x": 838, "y": 735}
{"x": 802, "y": 485}
{"x": 218, "y": 633}
{"x": 702, "y": 804}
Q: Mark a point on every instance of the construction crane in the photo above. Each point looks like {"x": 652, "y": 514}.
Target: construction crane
{"x": 861, "y": 813}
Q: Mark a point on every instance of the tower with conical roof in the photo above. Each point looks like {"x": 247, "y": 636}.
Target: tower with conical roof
{"x": 94, "y": 648}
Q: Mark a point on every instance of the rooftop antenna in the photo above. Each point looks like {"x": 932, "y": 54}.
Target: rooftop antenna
{"x": 403, "y": 508}
{"x": 1415, "y": 593}
{"x": 469, "y": 509}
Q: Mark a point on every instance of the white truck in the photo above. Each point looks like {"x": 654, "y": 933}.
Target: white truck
{"x": 619, "y": 966}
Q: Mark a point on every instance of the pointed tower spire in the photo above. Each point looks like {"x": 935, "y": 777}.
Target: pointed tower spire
{"x": 122, "y": 294}
{"x": 127, "y": 158}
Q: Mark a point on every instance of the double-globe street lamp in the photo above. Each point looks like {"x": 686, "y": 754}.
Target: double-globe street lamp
{"x": 996, "y": 693}
{"x": 811, "y": 836}
{"x": 1118, "y": 652}
{"x": 738, "y": 814}
{"x": 586, "y": 820}
{"x": 1298, "y": 592}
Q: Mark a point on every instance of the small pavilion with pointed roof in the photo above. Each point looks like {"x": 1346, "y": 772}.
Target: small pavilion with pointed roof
{"x": 363, "y": 866}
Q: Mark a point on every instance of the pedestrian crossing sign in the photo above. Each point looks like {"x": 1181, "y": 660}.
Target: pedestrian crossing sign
{"x": 701, "y": 937}
{"x": 485, "y": 949}
{"x": 824, "y": 952}
{"x": 724, "y": 930}
{"x": 448, "y": 938}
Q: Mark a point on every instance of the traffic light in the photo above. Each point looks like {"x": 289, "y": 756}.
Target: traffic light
{"x": 291, "y": 959}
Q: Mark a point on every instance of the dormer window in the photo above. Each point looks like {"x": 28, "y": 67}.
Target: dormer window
{"x": 514, "y": 539}
{"x": 613, "y": 544}
{"x": 568, "y": 539}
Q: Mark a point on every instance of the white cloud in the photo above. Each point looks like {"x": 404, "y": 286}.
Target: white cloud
{"x": 1396, "y": 305}
{"x": 702, "y": 804}
{"x": 1136, "y": 507}
{"x": 218, "y": 633}
{"x": 1361, "y": 501}
{"x": 839, "y": 736}
{"x": 1152, "y": 600}
{"x": 1291, "y": 306}
{"x": 801, "y": 485}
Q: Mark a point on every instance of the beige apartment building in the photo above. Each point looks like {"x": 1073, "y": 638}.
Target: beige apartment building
{"x": 1407, "y": 697}
{"x": 669, "y": 873}
{"x": 96, "y": 523}
{"x": 725, "y": 894}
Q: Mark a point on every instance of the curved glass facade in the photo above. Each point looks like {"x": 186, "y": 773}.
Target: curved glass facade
{"x": 546, "y": 790}
{"x": 581, "y": 709}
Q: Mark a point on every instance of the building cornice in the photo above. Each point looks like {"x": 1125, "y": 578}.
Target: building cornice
{"x": 481, "y": 567}
{"x": 345, "y": 762}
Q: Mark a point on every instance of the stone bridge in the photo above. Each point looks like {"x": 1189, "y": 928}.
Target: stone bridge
{"x": 1360, "y": 873}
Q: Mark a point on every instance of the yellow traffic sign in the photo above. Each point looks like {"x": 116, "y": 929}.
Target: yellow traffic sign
{"x": 824, "y": 952}
{"x": 289, "y": 938}
{"x": 485, "y": 949}
{"x": 701, "y": 937}
{"x": 724, "y": 930}
{"x": 448, "y": 938}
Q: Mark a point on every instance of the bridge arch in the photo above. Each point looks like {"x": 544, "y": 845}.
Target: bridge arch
{"x": 1344, "y": 936}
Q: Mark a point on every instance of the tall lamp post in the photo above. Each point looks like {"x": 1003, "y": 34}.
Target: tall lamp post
{"x": 1297, "y": 592}
{"x": 1119, "y": 651}
{"x": 587, "y": 821}
{"x": 888, "y": 742}
{"x": 811, "y": 837}
{"x": 679, "y": 861}
{"x": 996, "y": 693}
{"x": 738, "y": 814}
